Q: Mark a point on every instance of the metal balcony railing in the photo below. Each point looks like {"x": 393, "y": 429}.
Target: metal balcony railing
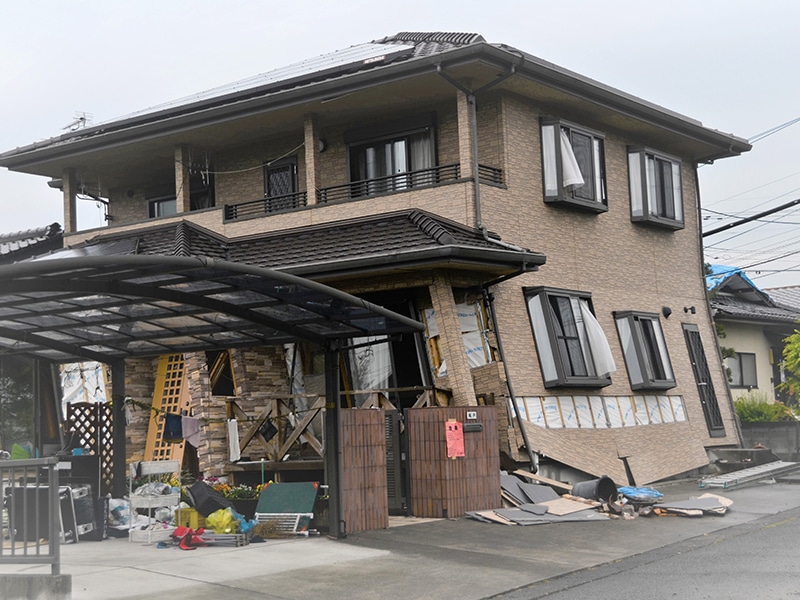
{"x": 362, "y": 189}
{"x": 265, "y": 205}
{"x": 31, "y": 513}
{"x": 389, "y": 184}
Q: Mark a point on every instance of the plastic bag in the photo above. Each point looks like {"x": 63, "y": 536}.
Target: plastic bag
{"x": 222, "y": 521}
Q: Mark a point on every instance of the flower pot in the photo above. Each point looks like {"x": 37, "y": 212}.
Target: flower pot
{"x": 246, "y": 507}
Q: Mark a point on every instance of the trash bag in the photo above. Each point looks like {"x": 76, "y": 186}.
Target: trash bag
{"x": 222, "y": 521}
{"x": 244, "y": 525}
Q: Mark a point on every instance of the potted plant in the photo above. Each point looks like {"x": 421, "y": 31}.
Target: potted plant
{"x": 243, "y": 496}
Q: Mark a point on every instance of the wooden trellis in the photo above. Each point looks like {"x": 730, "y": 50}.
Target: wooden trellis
{"x": 171, "y": 396}
{"x": 93, "y": 428}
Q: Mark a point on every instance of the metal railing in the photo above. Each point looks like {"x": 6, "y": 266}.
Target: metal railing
{"x": 390, "y": 184}
{"x": 31, "y": 522}
{"x": 265, "y": 205}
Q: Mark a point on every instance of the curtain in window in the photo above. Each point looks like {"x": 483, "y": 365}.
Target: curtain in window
{"x": 570, "y": 169}
{"x": 603, "y": 359}
{"x": 370, "y": 366}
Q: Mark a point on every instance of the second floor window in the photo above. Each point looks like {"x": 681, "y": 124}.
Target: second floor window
{"x": 655, "y": 186}
{"x": 162, "y": 207}
{"x": 393, "y": 163}
{"x": 573, "y": 162}
{"x": 742, "y": 369}
{"x": 280, "y": 177}
{"x": 573, "y": 349}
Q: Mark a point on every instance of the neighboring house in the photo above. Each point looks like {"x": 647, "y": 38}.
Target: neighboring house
{"x": 543, "y": 226}
{"x": 29, "y": 413}
{"x": 753, "y": 325}
{"x": 23, "y": 245}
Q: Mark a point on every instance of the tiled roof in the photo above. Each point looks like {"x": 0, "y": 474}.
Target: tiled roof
{"x": 739, "y": 308}
{"x": 384, "y": 240}
{"x": 788, "y": 297}
{"x": 31, "y": 242}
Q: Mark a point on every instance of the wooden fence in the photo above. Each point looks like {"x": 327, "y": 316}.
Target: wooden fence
{"x": 449, "y": 487}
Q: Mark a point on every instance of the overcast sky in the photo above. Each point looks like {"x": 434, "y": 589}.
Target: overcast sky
{"x": 731, "y": 64}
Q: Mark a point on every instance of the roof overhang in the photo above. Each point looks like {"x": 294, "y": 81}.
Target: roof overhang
{"x": 482, "y": 62}
{"x": 109, "y": 308}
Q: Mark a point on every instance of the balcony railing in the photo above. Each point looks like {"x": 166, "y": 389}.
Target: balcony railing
{"x": 361, "y": 189}
{"x": 490, "y": 174}
{"x": 265, "y": 205}
{"x": 389, "y": 184}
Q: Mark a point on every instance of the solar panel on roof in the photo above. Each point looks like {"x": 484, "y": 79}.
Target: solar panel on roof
{"x": 339, "y": 61}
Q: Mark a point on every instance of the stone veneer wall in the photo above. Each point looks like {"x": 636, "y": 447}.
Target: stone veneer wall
{"x": 140, "y": 377}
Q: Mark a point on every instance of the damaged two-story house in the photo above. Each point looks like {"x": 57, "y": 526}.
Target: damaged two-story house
{"x": 541, "y": 225}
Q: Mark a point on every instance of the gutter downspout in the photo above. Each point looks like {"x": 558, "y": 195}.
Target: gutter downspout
{"x": 479, "y": 224}
{"x": 473, "y": 115}
{"x": 489, "y": 299}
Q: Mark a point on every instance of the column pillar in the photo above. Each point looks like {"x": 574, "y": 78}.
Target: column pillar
{"x": 70, "y": 190}
{"x": 451, "y": 344}
{"x": 182, "y": 186}
{"x": 120, "y": 466}
{"x": 312, "y": 157}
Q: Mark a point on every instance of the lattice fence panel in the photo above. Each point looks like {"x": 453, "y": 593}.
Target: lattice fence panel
{"x": 170, "y": 396}
{"x": 93, "y": 427}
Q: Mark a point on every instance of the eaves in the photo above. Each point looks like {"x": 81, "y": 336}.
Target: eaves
{"x": 275, "y": 96}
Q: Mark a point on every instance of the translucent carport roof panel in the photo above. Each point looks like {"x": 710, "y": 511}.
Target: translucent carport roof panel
{"x": 138, "y": 308}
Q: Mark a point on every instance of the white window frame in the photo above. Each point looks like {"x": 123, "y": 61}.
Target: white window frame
{"x": 581, "y": 358}
{"x": 567, "y": 179}
{"x": 645, "y": 351}
{"x": 655, "y": 199}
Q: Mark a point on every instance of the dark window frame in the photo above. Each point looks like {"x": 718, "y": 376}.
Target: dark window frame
{"x": 275, "y": 166}
{"x": 597, "y": 198}
{"x": 154, "y": 206}
{"x": 647, "y": 361}
{"x": 561, "y": 346}
{"x": 661, "y": 211}
{"x": 741, "y": 383}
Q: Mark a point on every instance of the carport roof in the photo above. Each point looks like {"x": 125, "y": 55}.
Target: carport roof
{"x": 65, "y": 307}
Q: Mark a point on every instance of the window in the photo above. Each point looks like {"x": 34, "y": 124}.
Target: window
{"x": 162, "y": 207}
{"x": 645, "y": 351}
{"x": 280, "y": 177}
{"x": 395, "y": 162}
{"x": 572, "y": 347}
{"x": 655, "y": 186}
{"x": 742, "y": 370}
{"x": 573, "y": 161}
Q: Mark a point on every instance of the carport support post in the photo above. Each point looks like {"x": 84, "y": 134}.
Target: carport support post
{"x": 119, "y": 468}
{"x": 333, "y": 450}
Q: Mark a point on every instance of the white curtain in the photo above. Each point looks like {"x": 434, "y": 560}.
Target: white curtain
{"x": 601, "y": 351}
{"x": 570, "y": 171}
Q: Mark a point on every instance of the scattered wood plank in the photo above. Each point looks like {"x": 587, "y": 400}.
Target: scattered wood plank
{"x": 567, "y": 487}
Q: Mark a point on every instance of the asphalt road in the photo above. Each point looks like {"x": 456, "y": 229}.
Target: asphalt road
{"x": 755, "y": 560}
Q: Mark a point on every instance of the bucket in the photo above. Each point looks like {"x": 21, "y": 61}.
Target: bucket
{"x": 596, "y": 489}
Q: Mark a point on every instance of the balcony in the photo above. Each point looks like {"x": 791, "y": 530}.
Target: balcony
{"x": 265, "y": 205}
{"x": 378, "y": 186}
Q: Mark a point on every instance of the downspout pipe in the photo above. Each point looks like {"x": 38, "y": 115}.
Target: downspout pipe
{"x": 479, "y": 224}
{"x": 532, "y": 456}
{"x": 473, "y": 116}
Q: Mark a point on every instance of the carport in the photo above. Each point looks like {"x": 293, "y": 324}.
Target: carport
{"x": 76, "y": 305}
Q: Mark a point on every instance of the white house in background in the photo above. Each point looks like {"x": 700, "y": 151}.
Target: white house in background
{"x": 753, "y": 326}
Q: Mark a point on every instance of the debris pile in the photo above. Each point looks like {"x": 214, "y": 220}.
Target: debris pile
{"x": 534, "y": 503}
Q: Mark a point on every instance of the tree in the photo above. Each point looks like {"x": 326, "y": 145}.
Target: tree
{"x": 791, "y": 364}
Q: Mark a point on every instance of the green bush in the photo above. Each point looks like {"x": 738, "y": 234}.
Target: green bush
{"x": 755, "y": 408}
